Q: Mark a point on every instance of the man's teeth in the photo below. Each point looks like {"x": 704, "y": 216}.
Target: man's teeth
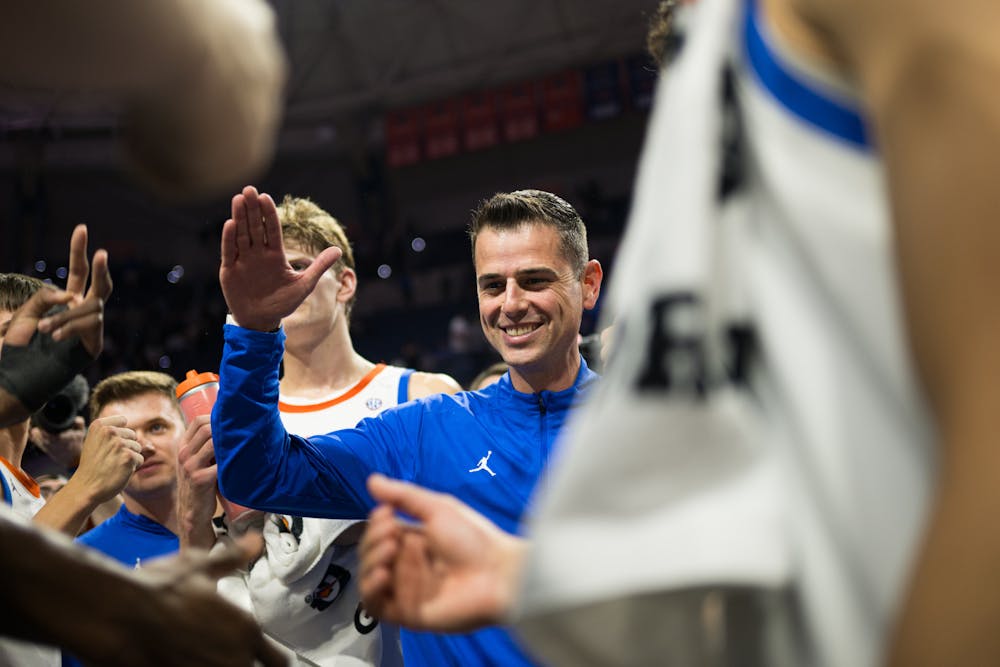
{"x": 519, "y": 331}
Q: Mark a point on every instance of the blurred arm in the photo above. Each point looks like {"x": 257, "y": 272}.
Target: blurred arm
{"x": 928, "y": 72}
{"x": 106, "y": 615}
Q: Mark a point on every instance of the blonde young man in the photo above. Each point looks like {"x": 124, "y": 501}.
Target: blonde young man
{"x": 304, "y": 587}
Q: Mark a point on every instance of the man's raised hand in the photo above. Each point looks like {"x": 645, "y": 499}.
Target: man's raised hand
{"x": 259, "y": 284}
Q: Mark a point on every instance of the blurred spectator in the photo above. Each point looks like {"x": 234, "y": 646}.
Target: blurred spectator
{"x": 301, "y": 588}
{"x": 64, "y": 448}
{"x": 465, "y": 352}
{"x": 49, "y": 484}
{"x": 488, "y": 376}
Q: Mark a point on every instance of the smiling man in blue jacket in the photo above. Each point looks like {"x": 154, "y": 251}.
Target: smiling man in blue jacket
{"x": 488, "y": 448}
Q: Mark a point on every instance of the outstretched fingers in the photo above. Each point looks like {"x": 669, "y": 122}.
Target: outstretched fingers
{"x": 28, "y": 318}
{"x": 270, "y": 224}
{"x": 312, "y": 273}
{"x": 230, "y": 251}
{"x": 255, "y": 225}
{"x": 255, "y": 218}
{"x": 77, "y": 321}
{"x": 241, "y": 222}
{"x": 100, "y": 279}
{"x": 76, "y": 279}
{"x": 198, "y": 451}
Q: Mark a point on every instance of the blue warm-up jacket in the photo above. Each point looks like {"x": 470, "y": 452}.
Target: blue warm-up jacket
{"x": 436, "y": 442}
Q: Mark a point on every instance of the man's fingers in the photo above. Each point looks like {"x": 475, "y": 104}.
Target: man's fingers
{"x": 136, "y": 459}
{"x": 60, "y": 319}
{"x": 76, "y": 279}
{"x": 379, "y": 555}
{"x": 233, "y": 555}
{"x": 381, "y": 528}
{"x": 201, "y": 458}
{"x": 113, "y": 420}
{"x": 198, "y": 432}
{"x": 411, "y": 566}
{"x": 100, "y": 278}
{"x": 21, "y": 327}
{"x": 376, "y": 592}
{"x": 229, "y": 252}
{"x": 381, "y": 521}
{"x": 403, "y": 496}
{"x": 42, "y": 301}
{"x": 239, "y": 210}
{"x": 320, "y": 265}
{"x": 271, "y": 226}
{"x": 79, "y": 326}
{"x": 255, "y": 222}
{"x": 127, "y": 435}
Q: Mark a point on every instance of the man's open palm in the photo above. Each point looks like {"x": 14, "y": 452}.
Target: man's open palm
{"x": 259, "y": 284}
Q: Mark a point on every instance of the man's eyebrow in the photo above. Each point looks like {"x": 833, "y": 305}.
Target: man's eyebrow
{"x": 532, "y": 271}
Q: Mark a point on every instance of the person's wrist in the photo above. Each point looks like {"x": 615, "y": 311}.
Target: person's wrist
{"x": 262, "y": 325}
{"x": 82, "y": 493}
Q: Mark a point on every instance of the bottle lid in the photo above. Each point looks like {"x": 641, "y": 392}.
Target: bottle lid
{"x": 195, "y": 379}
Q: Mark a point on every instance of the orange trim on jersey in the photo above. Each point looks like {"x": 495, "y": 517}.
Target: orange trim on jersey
{"x": 350, "y": 393}
{"x": 26, "y": 480}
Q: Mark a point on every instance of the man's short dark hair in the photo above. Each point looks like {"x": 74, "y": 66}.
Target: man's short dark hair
{"x": 510, "y": 210}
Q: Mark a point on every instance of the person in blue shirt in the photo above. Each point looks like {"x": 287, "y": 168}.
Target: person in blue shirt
{"x": 534, "y": 281}
{"x": 146, "y": 525}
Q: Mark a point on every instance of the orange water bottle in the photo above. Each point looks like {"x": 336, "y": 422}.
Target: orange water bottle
{"x": 196, "y": 395}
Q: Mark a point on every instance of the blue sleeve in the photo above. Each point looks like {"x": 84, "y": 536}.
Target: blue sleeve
{"x": 262, "y": 466}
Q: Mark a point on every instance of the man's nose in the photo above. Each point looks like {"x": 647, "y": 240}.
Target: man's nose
{"x": 145, "y": 445}
{"x": 514, "y": 303}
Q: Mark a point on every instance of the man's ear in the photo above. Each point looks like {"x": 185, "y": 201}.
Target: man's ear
{"x": 593, "y": 276}
{"x": 348, "y": 285}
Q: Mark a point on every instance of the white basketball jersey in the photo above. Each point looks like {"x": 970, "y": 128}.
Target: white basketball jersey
{"x": 22, "y": 495}
{"x": 383, "y": 387}
{"x": 19, "y": 490}
{"x": 848, "y": 446}
{"x": 304, "y": 592}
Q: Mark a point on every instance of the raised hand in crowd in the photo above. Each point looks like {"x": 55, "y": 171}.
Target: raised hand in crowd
{"x": 196, "y": 486}
{"x": 33, "y": 368}
{"x": 110, "y": 454}
{"x": 259, "y": 284}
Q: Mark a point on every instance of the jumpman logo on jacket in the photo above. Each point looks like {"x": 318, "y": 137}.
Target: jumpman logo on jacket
{"x": 484, "y": 464}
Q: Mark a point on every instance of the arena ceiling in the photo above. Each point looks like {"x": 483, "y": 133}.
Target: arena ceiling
{"x": 351, "y": 60}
